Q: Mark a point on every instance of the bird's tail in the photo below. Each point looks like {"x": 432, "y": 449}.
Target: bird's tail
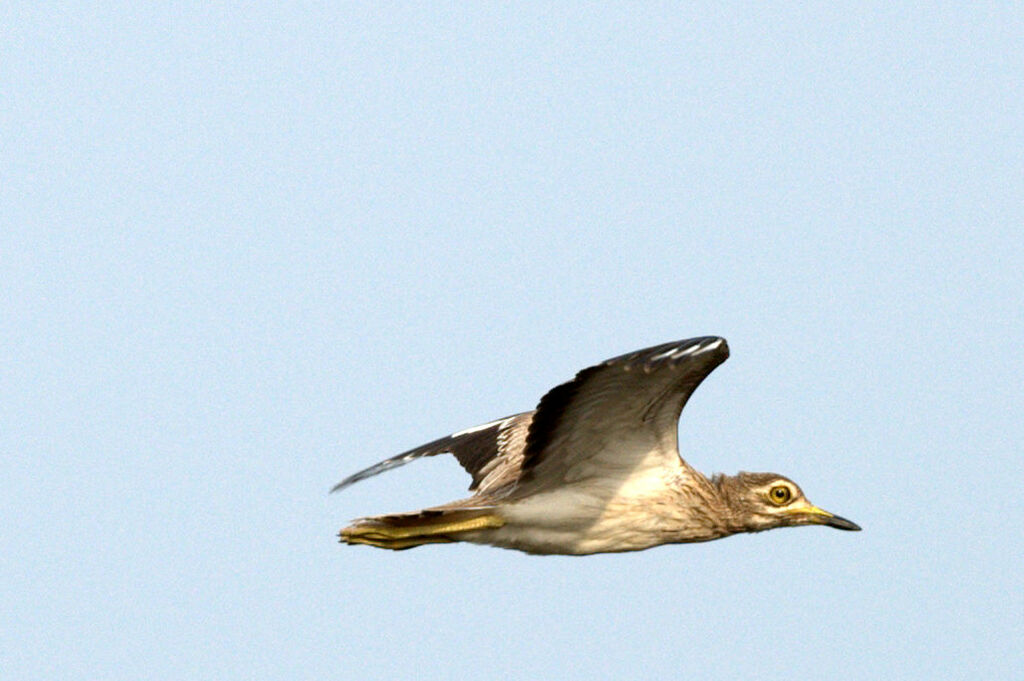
{"x": 405, "y": 530}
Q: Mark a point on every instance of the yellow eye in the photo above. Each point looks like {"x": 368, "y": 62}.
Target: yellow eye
{"x": 780, "y": 494}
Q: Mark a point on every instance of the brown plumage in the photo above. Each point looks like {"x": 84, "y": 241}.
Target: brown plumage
{"x": 595, "y": 468}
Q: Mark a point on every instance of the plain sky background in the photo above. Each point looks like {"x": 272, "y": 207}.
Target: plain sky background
{"x": 250, "y": 248}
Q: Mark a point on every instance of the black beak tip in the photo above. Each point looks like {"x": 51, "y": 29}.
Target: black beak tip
{"x": 842, "y": 524}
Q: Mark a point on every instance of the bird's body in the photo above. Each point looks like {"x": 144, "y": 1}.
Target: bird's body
{"x": 594, "y": 469}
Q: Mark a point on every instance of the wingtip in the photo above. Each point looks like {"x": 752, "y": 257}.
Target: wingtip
{"x": 721, "y": 345}
{"x": 680, "y": 351}
{"x": 715, "y": 344}
{"x": 340, "y": 486}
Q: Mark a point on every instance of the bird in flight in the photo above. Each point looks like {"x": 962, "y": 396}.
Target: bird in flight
{"x": 595, "y": 468}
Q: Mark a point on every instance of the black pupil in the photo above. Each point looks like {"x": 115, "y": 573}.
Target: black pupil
{"x": 780, "y": 493}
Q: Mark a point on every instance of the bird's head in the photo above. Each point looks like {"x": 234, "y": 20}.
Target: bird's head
{"x": 762, "y": 501}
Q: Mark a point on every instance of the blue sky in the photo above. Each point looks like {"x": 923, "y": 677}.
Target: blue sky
{"x": 248, "y": 249}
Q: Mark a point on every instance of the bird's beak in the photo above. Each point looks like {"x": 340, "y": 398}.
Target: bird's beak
{"x": 841, "y": 523}
{"x": 820, "y": 516}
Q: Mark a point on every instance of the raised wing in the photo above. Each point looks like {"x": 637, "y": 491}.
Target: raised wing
{"x": 618, "y": 420}
{"x": 491, "y": 453}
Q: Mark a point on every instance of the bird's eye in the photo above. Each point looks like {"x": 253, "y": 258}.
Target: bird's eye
{"x": 780, "y": 494}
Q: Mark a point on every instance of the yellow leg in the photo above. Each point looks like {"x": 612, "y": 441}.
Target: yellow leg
{"x": 376, "y": 532}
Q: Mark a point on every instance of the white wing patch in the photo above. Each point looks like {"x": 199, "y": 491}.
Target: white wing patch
{"x": 477, "y": 429}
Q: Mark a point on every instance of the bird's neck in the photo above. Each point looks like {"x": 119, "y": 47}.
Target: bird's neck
{"x": 700, "y": 512}
{"x": 729, "y": 491}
